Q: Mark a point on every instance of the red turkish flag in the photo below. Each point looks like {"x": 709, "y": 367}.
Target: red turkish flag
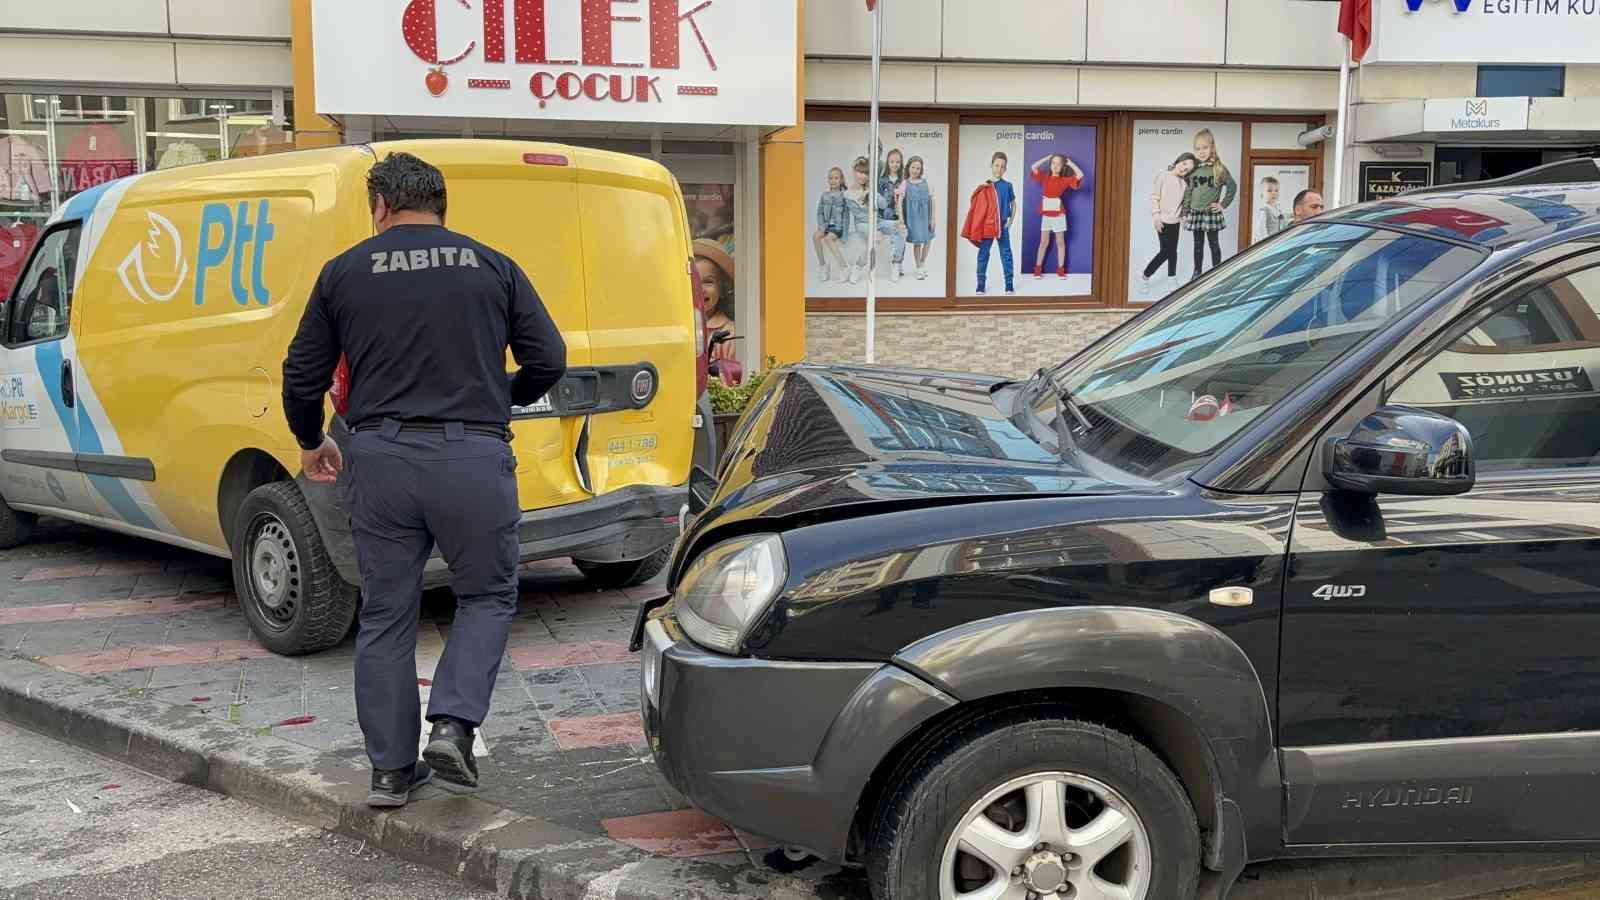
{"x": 872, "y": 5}
{"x": 1355, "y": 23}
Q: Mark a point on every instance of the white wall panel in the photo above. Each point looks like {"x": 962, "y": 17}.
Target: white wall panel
{"x": 231, "y": 18}
{"x": 235, "y": 65}
{"x": 972, "y": 85}
{"x": 58, "y": 59}
{"x": 1297, "y": 33}
{"x": 1375, "y": 83}
{"x": 850, "y": 82}
{"x": 129, "y": 16}
{"x": 1278, "y": 90}
{"x": 1044, "y": 30}
{"x": 844, "y": 28}
{"x": 1147, "y": 88}
{"x": 1158, "y": 31}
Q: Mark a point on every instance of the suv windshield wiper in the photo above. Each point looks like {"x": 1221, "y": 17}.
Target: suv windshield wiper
{"x": 1064, "y": 404}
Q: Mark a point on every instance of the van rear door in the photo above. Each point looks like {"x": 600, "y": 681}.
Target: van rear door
{"x": 522, "y": 200}
{"x": 641, "y": 317}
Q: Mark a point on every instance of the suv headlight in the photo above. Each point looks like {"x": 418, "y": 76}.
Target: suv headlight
{"x": 727, "y": 590}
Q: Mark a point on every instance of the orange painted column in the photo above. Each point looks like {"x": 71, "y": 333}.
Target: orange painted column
{"x": 310, "y": 129}
{"x": 783, "y": 237}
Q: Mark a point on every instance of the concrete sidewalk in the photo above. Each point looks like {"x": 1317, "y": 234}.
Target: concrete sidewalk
{"x": 139, "y": 652}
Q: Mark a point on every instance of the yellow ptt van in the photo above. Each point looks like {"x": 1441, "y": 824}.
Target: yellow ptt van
{"x": 144, "y": 342}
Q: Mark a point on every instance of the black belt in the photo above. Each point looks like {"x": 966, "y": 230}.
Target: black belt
{"x": 439, "y": 428}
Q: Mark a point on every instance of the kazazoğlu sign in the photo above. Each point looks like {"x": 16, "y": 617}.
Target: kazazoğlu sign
{"x": 1537, "y": 32}
{"x": 720, "y": 62}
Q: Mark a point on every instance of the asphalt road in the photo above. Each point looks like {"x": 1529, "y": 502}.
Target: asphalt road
{"x": 73, "y": 824}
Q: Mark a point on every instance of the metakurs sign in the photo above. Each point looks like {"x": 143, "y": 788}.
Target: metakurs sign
{"x": 722, "y": 62}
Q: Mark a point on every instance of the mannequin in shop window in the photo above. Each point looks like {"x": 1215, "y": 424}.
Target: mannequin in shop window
{"x": 715, "y": 267}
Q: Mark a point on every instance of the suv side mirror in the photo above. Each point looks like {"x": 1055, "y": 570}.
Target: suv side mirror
{"x": 1402, "y": 450}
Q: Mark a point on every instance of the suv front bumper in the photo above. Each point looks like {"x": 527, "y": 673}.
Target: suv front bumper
{"x": 776, "y": 748}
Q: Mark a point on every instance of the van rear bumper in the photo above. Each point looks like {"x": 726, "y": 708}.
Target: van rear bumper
{"x": 626, "y": 524}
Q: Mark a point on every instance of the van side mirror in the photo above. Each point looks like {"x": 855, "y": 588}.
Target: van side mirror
{"x": 1402, "y": 450}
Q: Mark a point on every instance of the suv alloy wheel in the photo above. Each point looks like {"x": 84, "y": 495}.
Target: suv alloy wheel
{"x": 1026, "y": 804}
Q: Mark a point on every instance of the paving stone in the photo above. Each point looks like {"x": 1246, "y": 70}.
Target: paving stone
{"x": 165, "y": 584}
{"x": 681, "y": 833}
{"x": 615, "y": 685}
{"x": 594, "y": 731}
{"x": 59, "y": 638}
{"x": 206, "y": 694}
{"x": 267, "y": 713}
{"x": 198, "y": 673}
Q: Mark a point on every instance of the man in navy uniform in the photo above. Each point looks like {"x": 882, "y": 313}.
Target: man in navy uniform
{"x": 424, "y": 316}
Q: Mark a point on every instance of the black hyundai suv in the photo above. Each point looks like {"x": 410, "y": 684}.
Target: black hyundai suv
{"x": 1302, "y": 561}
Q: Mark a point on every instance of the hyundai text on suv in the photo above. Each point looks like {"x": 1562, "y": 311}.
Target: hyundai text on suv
{"x": 1302, "y": 561}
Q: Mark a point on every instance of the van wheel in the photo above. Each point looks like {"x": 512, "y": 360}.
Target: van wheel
{"x": 624, "y": 574}
{"x": 291, "y": 593}
{"x": 1026, "y": 804}
{"x": 16, "y": 527}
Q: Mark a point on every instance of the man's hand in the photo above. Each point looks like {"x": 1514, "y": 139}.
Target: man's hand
{"x": 324, "y": 463}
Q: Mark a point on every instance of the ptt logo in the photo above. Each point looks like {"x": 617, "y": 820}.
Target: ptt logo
{"x": 1461, "y": 5}
{"x": 157, "y": 266}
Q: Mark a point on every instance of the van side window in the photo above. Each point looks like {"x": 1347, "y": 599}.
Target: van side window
{"x": 41, "y": 305}
{"x": 1525, "y": 379}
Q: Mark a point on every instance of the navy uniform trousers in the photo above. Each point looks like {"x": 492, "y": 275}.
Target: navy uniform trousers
{"x": 407, "y": 491}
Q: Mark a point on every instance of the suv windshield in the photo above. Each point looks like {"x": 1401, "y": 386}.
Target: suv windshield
{"x": 1172, "y": 389}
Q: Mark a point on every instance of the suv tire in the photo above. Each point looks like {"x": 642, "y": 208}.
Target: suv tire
{"x": 991, "y": 764}
{"x": 291, "y": 592}
{"x": 624, "y": 574}
{"x": 16, "y": 527}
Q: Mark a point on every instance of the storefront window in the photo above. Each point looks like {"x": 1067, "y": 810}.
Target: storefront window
{"x": 55, "y": 146}
{"x": 1027, "y": 210}
{"x": 1186, "y": 199}
{"x": 910, "y": 185}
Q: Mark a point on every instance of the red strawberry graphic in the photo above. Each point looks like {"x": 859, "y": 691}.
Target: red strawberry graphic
{"x": 438, "y": 82}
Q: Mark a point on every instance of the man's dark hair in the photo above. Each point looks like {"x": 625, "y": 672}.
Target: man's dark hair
{"x": 406, "y": 183}
{"x": 1300, "y": 198}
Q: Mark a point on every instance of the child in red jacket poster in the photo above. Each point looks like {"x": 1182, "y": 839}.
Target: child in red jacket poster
{"x": 994, "y": 205}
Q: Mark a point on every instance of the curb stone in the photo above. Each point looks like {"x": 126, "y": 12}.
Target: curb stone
{"x": 523, "y": 858}
{"x": 517, "y": 856}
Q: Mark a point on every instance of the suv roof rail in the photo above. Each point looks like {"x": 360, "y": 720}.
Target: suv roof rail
{"x": 1580, "y": 170}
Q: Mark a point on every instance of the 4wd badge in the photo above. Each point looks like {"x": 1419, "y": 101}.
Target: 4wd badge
{"x": 1340, "y": 591}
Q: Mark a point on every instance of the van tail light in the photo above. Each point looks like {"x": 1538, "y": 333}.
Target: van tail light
{"x": 341, "y": 387}
{"x": 701, "y": 363}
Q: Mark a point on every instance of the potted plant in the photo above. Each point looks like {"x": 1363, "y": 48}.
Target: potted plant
{"x": 729, "y": 403}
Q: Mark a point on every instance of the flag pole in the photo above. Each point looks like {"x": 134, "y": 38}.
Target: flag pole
{"x": 1339, "y": 133}
{"x": 872, "y": 176}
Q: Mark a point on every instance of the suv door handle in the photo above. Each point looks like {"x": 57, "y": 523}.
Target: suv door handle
{"x": 68, "y": 395}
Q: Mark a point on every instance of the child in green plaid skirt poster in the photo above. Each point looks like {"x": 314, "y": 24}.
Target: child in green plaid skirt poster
{"x": 1212, "y": 189}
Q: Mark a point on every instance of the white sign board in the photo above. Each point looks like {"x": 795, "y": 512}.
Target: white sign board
{"x": 1537, "y": 32}
{"x": 1472, "y": 114}
{"x": 717, "y": 62}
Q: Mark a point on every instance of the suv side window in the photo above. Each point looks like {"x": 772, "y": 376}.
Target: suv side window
{"x": 41, "y": 305}
{"x": 1524, "y": 378}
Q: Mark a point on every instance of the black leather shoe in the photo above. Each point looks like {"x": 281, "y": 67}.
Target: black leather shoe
{"x": 449, "y": 751}
{"x": 393, "y": 787}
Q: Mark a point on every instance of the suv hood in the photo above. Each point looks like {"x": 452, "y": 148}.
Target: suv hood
{"x": 821, "y": 441}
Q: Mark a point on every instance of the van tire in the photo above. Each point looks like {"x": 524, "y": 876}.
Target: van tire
{"x": 624, "y": 574}
{"x": 936, "y": 787}
{"x": 291, "y": 591}
{"x": 16, "y": 527}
